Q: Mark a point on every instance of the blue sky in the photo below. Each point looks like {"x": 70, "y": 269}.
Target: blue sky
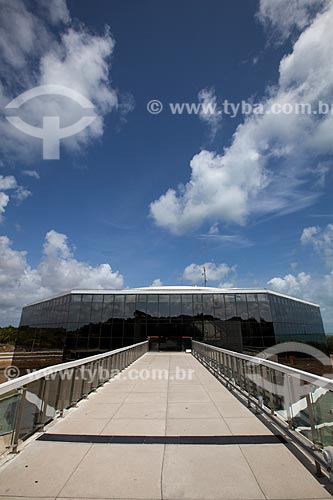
{"x": 139, "y": 197}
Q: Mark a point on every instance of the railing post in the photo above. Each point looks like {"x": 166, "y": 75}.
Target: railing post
{"x": 314, "y": 431}
{"x": 44, "y": 392}
{"x": 18, "y": 420}
{"x": 72, "y": 387}
{"x": 58, "y": 398}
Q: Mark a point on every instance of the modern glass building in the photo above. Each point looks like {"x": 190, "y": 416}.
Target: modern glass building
{"x": 82, "y": 322}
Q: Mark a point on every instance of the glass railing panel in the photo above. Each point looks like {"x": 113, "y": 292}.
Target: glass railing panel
{"x": 8, "y": 410}
{"x": 32, "y": 408}
{"x": 321, "y": 401}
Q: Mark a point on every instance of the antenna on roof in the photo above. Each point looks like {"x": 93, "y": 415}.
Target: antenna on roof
{"x": 204, "y": 276}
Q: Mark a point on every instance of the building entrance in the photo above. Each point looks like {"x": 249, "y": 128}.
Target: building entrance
{"x": 169, "y": 343}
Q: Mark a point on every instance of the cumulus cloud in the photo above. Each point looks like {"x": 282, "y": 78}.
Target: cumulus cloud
{"x": 69, "y": 56}
{"x": 19, "y": 192}
{"x": 271, "y": 164}
{"x": 321, "y": 240}
{"x": 214, "y": 272}
{"x": 285, "y": 16}
{"x": 157, "y": 282}
{"x": 57, "y": 272}
{"x": 291, "y": 284}
{"x": 7, "y": 182}
{"x": 4, "y": 200}
{"x": 209, "y": 112}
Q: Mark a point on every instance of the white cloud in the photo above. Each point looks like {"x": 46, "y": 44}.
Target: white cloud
{"x": 219, "y": 189}
{"x": 321, "y": 240}
{"x": 21, "y": 194}
{"x": 7, "y": 182}
{"x": 57, "y": 272}
{"x": 209, "y": 112}
{"x": 271, "y": 165}
{"x": 70, "y": 56}
{"x": 308, "y": 234}
{"x": 291, "y": 284}
{"x": 214, "y": 272}
{"x": 31, "y": 173}
{"x": 4, "y": 200}
{"x": 157, "y": 282}
{"x": 284, "y": 16}
{"x": 56, "y": 10}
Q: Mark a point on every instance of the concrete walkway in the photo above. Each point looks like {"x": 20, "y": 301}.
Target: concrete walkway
{"x": 154, "y": 439}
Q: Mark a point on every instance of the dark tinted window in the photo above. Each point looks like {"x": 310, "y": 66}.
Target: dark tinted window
{"x": 164, "y": 306}
{"x": 230, "y": 306}
{"x": 253, "y": 306}
{"x": 187, "y": 305}
{"x": 175, "y": 305}
{"x": 152, "y": 305}
{"x": 241, "y": 306}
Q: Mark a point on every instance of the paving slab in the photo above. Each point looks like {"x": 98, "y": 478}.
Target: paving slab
{"x": 192, "y": 410}
{"x": 141, "y": 410}
{"x": 117, "y": 471}
{"x": 147, "y": 397}
{"x": 233, "y": 409}
{"x": 95, "y": 410}
{"x": 214, "y": 472}
{"x": 247, "y": 426}
{"x": 135, "y": 427}
{"x": 41, "y": 469}
{"x": 280, "y": 474}
{"x": 189, "y": 397}
{"x": 79, "y": 426}
{"x": 197, "y": 427}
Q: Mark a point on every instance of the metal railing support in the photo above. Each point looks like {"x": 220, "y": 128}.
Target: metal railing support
{"x": 18, "y": 420}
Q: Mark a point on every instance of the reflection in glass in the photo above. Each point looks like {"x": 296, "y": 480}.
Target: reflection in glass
{"x": 164, "y": 306}
{"x": 98, "y": 321}
{"x": 241, "y": 306}
{"x": 208, "y": 305}
{"x": 187, "y": 305}
{"x": 253, "y": 306}
{"x": 230, "y": 307}
{"x": 130, "y": 303}
{"x": 118, "y": 306}
{"x": 152, "y": 305}
{"x": 175, "y": 305}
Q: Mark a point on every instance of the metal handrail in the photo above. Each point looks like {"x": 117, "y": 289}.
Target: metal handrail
{"x": 288, "y": 370}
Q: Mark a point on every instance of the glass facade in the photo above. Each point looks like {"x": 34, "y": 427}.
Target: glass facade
{"x": 80, "y": 324}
